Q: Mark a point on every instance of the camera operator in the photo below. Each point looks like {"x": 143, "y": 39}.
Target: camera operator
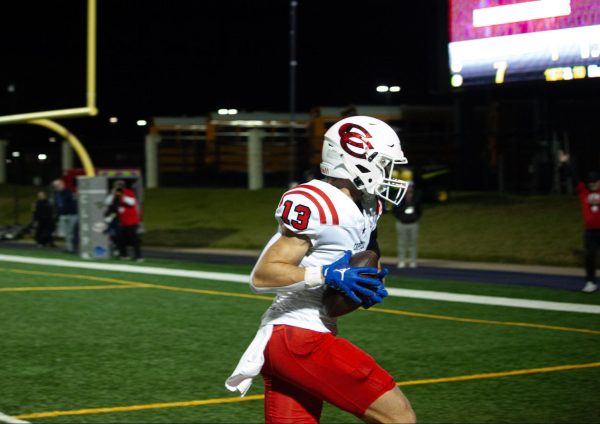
{"x": 122, "y": 202}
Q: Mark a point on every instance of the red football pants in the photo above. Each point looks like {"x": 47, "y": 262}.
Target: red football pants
{"x": 303, "y": 368}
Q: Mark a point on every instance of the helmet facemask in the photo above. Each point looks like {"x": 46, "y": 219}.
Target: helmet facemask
{"x": 375, "y": 176}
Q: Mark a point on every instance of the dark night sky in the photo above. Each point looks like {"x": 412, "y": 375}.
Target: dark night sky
{"x": 192, "y": 57}
{"x": 184, "y": 57}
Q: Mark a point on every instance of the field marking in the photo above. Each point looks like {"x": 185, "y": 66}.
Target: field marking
{"x": 132, "y": 408}
{"x": 239, "y": 278}
{"x": 500, "y": 374}
{"x": 496, "y": 301}
{"x": 128, "y": 283}
{"x": 63, "y": 288}
{"x": 483, "y": 321}
{"x": 219, "y": 401}
{"x": 171, "y": 272}
{"x": 11, "y": 420}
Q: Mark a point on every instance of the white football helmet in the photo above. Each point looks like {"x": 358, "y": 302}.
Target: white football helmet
{"x": 366, "y": 151}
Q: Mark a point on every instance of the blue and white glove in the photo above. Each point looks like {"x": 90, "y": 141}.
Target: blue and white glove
{"x": 349, "y": 280}
{"x": 379, "y": 294}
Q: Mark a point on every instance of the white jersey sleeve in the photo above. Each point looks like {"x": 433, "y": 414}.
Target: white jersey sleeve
{"x": 305, "y": 210}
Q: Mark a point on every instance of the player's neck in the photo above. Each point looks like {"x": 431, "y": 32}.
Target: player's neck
{"x": 347, "y": 192}
{"x": 346, "y": 187}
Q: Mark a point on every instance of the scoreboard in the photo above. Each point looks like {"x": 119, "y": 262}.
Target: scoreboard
{"x": 504, "y": 41}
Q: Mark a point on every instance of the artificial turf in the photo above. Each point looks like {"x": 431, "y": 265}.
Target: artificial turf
{"x": 158, "y": 346}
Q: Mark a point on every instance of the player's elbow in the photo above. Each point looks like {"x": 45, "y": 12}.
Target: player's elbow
{"x": 258, "y": 280}
{"x": 259, "y": 287}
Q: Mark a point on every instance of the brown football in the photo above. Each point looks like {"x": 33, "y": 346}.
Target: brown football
{"x": 337, "y": 303}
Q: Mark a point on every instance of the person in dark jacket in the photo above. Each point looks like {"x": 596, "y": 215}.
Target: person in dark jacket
{"x": 43, "y": 220}
{"x": 407, "y": 214}
{"x": 68, "y": 219}
{"x": 589, "y": 198}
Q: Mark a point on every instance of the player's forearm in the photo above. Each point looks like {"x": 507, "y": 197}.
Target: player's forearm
{"x": 279, "y": 277}
{"x": 278, "y": 268}
{"x": 272, "y": 274}
{"x": 276, "y": 275}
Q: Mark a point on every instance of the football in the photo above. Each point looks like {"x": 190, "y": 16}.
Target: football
{"x": 337, "y": 303}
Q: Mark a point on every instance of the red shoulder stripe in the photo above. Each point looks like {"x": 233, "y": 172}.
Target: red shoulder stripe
{"x": 310, "y": 197}
{"x": 327, "y": 200}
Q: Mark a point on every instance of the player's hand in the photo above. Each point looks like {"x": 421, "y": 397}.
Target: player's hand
{"x": 353, "y": 283}
{"x": 376, "y": 296}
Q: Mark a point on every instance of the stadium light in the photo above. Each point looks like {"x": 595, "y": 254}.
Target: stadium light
{"x": 456, "y": 80}
{"x": 141, "y": 122}
{"x": 382, "y": 88}
{"x": 224, "y": 111}
{"x": 52, "y": 139}
{"x": 42, "y": 157}
{"x": 16, "y": 154}
{"x": 395, "y": 89}
{"x": 113, "y": 119}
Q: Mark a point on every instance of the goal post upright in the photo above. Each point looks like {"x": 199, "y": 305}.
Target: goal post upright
{"x": 43, "y": 118}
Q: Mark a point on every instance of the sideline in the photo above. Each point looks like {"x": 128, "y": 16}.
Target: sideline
{"x": 496, "y": 301}
{"x": 219, "y": 401}
{"x": 136, "y": 284}
{"x": 241, "y": 278}
{"x": 171, "y": 272}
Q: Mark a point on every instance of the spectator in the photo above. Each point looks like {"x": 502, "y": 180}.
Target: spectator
{"x": 123, "y": 199}
{"x": 407, "y": 214}
{"x": 111, "y": 218}
{"x": 43, "y": 220}
{"x": 66, "y": 208}
{"x": 565, "y": 172}
{"x": 589, "y": 198}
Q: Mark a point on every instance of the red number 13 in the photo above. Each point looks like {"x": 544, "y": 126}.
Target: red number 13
{"x": 302, "y": 217}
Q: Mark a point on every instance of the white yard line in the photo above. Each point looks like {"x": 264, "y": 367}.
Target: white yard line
{"x": 239, "y": 278}
{"x": 11, "y": 420}
{"x": 202, "y": 275}
{"x": 496, "y": 301}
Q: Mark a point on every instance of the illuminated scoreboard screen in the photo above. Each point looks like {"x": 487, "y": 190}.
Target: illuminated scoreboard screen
{"x": 503, "y": 41}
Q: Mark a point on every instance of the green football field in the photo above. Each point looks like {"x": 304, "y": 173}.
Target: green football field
{"x": 103, "y": 346}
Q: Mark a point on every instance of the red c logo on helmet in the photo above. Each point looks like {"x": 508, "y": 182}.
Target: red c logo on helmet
{"x": 354, "y": 143}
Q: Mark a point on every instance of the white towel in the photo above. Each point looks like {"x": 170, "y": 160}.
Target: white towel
{"x": 250, "y": 363}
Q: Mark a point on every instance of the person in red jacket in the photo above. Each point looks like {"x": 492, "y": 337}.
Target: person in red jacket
{"x": 123, "y": 200}
{"x": 589, "y": 197}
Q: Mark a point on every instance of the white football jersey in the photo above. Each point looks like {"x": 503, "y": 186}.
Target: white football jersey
{"x": 333, "y": 223}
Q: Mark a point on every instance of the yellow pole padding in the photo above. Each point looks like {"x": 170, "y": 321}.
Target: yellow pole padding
{"x": 91, "y": 58}
{"x": 73, "y": 141}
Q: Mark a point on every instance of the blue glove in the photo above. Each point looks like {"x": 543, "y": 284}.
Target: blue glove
{"x": 350, "y": 281}
{"x": 377, "y": 295}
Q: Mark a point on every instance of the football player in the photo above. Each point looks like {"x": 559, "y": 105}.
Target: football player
{"x": 321, "y": 224}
